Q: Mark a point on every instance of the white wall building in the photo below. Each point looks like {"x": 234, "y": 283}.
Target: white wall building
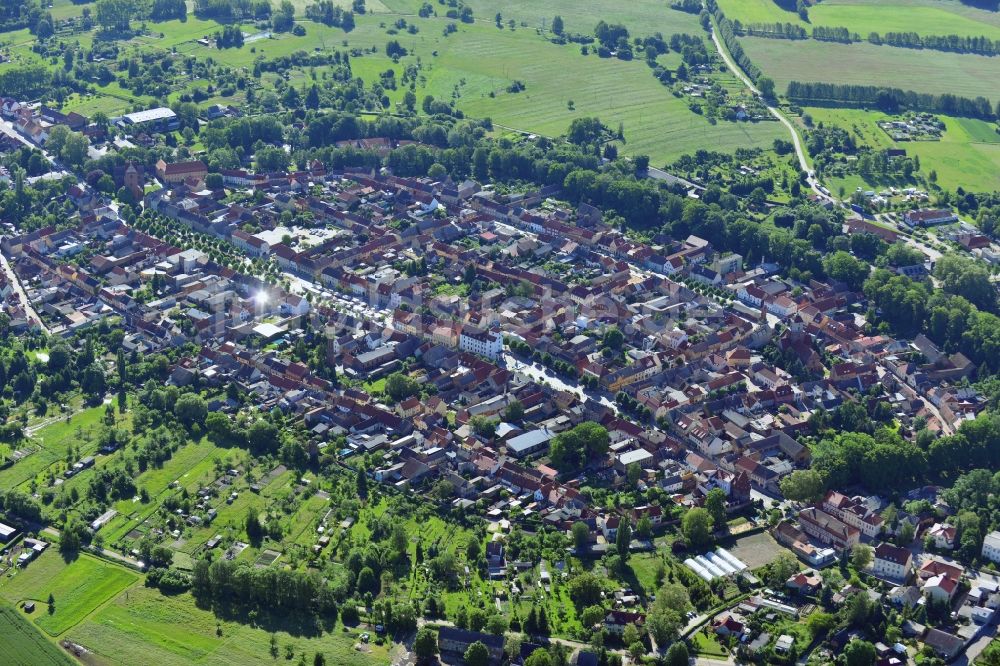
{"x": 991, "y": 546}
{"x": 480, "y": 342}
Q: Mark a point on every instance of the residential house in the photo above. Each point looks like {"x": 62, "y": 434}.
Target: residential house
{"x": 991, "y": 546}
{"x": 892, "y": 562}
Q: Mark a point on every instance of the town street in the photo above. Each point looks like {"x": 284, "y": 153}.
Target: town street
{"x": 15, "y": 283}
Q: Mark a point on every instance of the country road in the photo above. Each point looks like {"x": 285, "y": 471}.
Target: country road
{"x": 796, "y": 140}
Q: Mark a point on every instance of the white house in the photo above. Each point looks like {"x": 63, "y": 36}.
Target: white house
{"x": 943, "y": 535}
{"x": 940, "y": 588}
{"x": 892, "y": 561}
{"x": 294, "y": 306}
{"x": 751, "y": 294}
{"x": 991, "y": 546}
{"x": 480, "y": 342}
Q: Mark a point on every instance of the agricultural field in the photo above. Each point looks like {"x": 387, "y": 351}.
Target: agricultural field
{"x": 968, "y": 154}
{"x": 642, "y": 17}
{"x": 78, "y": 587}
{"x": 142, "y": 625}
{"x": 924, "y": 17}
{"x": 862, "y": 63}
{"x": 474, "y": 67}
{"x": 23, "y": 645}
{"x": 105, "y": 608}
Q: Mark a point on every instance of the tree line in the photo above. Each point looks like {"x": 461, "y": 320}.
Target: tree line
{"x": 979, "y": 45}
{"x": 883, "y": 459}
{"x": 25, "y": 82}
{"x": 771, "y": 30}
{"x": 19, "y": 14}
{"x": 689, "y": 6}
{"x": 890, "y": 100}
{"x": 956, "y": 43}
{"x": 728, "y": 34}
{"x": 225, "y": 584}
{"x": 327, "y": 13}
{"x": 230, "y": 10}
{"x": 834, "y": 34}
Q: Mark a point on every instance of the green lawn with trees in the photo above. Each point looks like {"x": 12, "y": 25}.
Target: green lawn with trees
{"x": 967, "y": 155}
{"x": 146, "y": 626}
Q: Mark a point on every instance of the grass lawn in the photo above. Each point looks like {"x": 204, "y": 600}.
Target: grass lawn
{"x": 23, "y": 645}
{"x": 143, "y": 626}
{"x": 641, "y": 17}
{"x": 375, "y": 387}
{"x": 866, "y": 64}
{"x": 644, "y": 566}
{"x": 968, "y": 154}
{"x": 64, "y": 9}
{"x": 655, "y": 122}
{"x": 707, "y": 645}
{"x": 78, "y": 588}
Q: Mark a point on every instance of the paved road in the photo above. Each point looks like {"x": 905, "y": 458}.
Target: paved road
{"x": 977, "y": 646}
{"x": 660, "y": 174}
{"x": 702, "y": 661}
{"x": 540, "y": 373}
{"x": 931, "y": 253}
{"x": 7, "y": 128}
{"x": 796, "y": 140}
{"x": 19, "y": 290}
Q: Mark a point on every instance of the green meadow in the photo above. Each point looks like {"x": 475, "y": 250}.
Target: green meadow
{"x": 23, "y": 645}
{"x": 474, "y": 67}
{"x": 49, "y": 445}
{"x": 78, "y": 588}
{"x": 968, "y": 154}
{"x": 146, "y": 627}
{"x": 862, "y": 63}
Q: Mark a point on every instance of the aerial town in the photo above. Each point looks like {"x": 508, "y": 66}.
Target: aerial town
{"x": 499, "y": 334}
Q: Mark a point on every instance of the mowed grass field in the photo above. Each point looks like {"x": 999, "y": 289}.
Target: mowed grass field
{"x": 146, "y": 627}
{"x": 968, "y": 155}
{"x": 924, "y": 17}
{"x": 78, "y": 588}
{"x": 22, "y": 645}
{"x": 862, "y": 63}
